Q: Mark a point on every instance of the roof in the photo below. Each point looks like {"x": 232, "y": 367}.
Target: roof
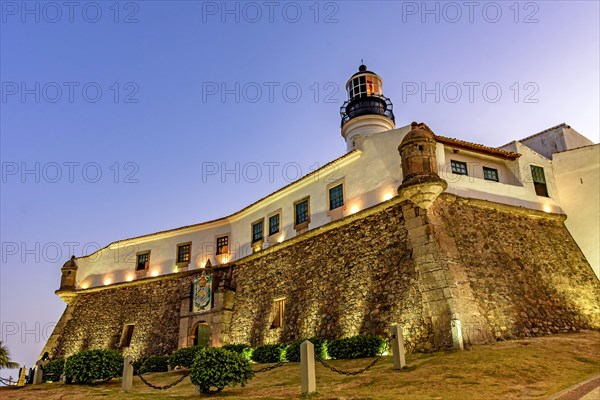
{"x": 563, "y": 125}
{"x": 479, "y": 148}
{"x": 315, "y": 172}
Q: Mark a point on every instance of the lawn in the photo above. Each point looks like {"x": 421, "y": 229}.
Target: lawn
{"x": 533, "y": 368}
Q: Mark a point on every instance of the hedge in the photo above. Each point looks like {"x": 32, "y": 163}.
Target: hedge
{"x": 269, "y": 353}
{"x": 89, "y": 366}
{"x": 293, "y": 350}
{"x": 356, "y": 347}
{"x": 155, "y": 364}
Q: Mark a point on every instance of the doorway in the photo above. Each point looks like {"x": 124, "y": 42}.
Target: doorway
{"x": 202, "y": 334}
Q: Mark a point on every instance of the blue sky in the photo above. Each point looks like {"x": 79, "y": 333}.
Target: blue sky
{"x": 117, "y": 110}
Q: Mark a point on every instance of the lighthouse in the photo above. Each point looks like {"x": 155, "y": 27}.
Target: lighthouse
{"x": 367, "y": 110}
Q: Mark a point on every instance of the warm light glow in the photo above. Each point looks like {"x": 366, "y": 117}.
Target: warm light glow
{"x": 547, "y": 208}
{"x": 107, "y": 281}
{"x": 387, "y": 196}
{"x": 223, "y": 258}
{"x": 155, "y": 273}
{"x": 84, "y": 285}
{"x": 281, "y": 238}
{"x": 129, "y": 278}
{"x": 354, "y": 209}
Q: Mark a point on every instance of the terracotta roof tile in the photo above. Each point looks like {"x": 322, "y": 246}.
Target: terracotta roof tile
{"x": 479, "y": 148}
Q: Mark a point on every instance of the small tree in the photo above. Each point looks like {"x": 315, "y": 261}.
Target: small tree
{"x": 214, "y": 368}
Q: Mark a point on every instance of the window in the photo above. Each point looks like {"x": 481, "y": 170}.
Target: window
{"x": 273, "y": 224}
{"x": 184, "y": 252}
{"x": 277, "y": 313}
{"x": 126, "y": 336}
{"x": 222, "y": 245}
{"x": 336, "y": 196}
{"x": 143, "y": 261}
{"x": 459, "y": 167}
{"x": 257, "y": 231}
{"x": 539, "y": 181}
{"x": 490, "y": 174}
{"x": 302, "y": 212}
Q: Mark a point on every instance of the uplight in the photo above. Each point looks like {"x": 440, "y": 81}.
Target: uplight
{"x": 107, "y": 281}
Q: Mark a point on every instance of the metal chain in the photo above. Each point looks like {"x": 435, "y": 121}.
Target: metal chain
{"x": 169, "y": 386}
{"x": 103, "y": 381}
{"x": 265, "y": 369}
{"x": 7, "y": 382}
{"x": 349, "y": 373}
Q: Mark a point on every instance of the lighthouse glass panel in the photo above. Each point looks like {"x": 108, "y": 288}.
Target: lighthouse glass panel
{"x": 363, "y": 86}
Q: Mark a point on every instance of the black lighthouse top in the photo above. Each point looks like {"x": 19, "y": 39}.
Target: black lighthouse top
{"x": 365, "y": 96}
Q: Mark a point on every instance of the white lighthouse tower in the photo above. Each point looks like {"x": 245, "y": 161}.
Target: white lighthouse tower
{"x": 367, "y": 110}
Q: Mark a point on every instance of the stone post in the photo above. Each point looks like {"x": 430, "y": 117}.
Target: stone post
{"x": 457, "y": 338}
{"x": 38, "y": 373}
{"x": 308, "y": 381}
{"x": 127, "y": 381}
{"x": 398, "y": 347}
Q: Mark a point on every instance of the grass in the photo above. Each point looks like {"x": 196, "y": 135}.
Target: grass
{"x": 520, "y": 369}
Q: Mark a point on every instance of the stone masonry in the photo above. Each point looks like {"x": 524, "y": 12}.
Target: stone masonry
{"x": 502, "y": 271}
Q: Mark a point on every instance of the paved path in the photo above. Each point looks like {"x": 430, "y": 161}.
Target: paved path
{"x": 588, "y": 390}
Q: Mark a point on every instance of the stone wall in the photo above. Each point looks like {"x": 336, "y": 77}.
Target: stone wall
{"x": 503, "y": 271}
{"x": 527, "y": 274}
{"x": 354, "y": 279}
{"x": 98, "y": 317}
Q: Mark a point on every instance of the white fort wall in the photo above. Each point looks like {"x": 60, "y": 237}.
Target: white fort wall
{"x": 577, "y": 173}
{"x": 370, "y": 175}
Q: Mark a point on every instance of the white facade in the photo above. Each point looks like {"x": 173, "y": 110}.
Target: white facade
{"x": 577, "y": 174}
{"x": 370, "y": 174}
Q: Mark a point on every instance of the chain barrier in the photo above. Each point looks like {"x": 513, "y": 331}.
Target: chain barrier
{"x": 265, "y": 369}
{"x": 7, "y": 382}
{"x": 169, "y": 386}
{"x": 349, "y": 373}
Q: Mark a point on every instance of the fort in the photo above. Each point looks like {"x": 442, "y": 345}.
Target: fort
{"x": 408, "y": 227}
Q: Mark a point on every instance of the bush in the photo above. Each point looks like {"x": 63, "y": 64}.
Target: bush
{"x": 269, "y": 353}
{"x": 184, "y": 357}
{"x": 356, "y": 347}
{"x": 53, "y": 370}
{"x": 244, "y": 350}
{"x": 293, "y": 350}
{"x": 214, "y": 368}
{"x": 89, "y": 366}
{"x": 155, "y": 364}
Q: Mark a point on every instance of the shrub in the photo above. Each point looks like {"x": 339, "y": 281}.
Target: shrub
{"x": 53, "y": 370}
{"x": 244, "y": 350}
{"x": 356, "y": 347}
{"x": 293, "y": 350}
{"x": 269, "y": 353}
{"x": 214, "y": 368}
{"x": 89, "y": 366}
{"x": 155, "y": 364}
{"x": 184, "y": 357}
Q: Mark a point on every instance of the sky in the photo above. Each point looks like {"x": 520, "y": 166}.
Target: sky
{"x": 124, "y": 118}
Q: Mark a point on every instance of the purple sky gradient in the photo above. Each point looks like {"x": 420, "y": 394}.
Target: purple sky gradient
{"x": 164, "y": 126}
